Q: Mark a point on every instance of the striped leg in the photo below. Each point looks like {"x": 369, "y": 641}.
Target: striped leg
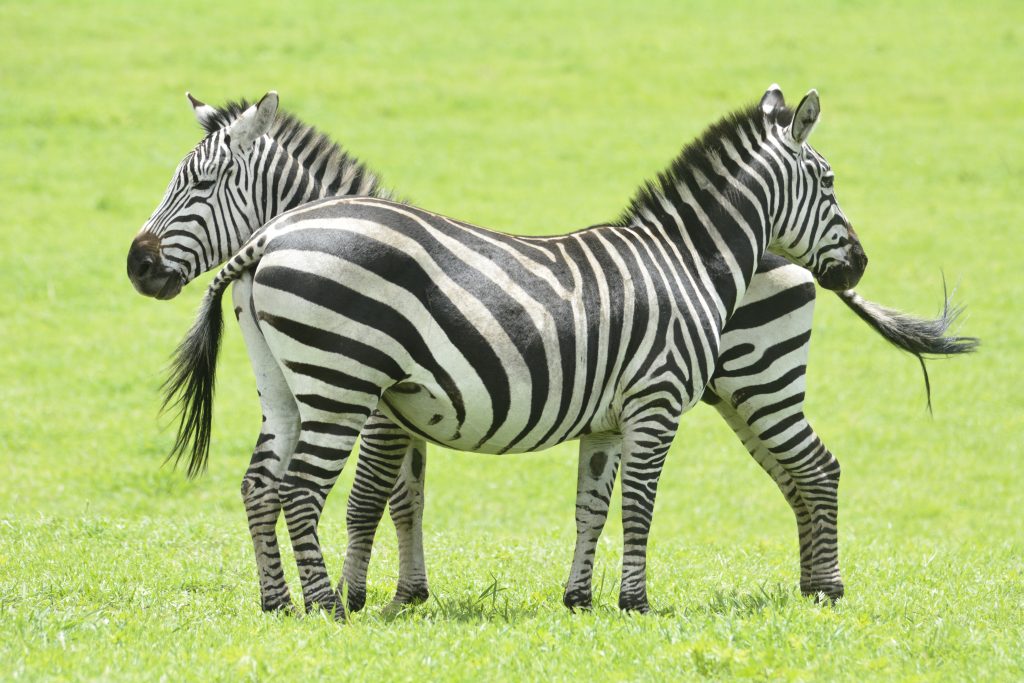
{"x": 274, "y": 447}
{"x": 816, "y": 473}
{"x": 645, "y": 447}
{"x": 771, "y": 422}
{"x": 406, "y": 508}
{"x": 598, "y": 464}
{"x": 381, "y": 453}
{"x": 766, "y": 459}
{"x": 759, "y": 385}
{"x": 326, "y": 437}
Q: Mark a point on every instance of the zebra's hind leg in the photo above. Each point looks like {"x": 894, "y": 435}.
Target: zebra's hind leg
{"x": 598, "y": 464}
{"x": 329, "y": 426}
{"x": 816, "y": 473}
{"x": 766, "y": 459}
{"x": 384, "y": 449}
{"x": 406, "y": 508}
{"x": 274, "y": 447}
{"x": 645, "y": 447}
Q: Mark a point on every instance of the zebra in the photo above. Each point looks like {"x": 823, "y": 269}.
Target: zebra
{"x": 251, "y": 166}
{"x": 757, "y": 388}
{"x": 788, "y": 289}
{"x": 484, "y": 341}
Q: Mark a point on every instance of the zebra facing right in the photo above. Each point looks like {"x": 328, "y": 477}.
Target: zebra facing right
{"x": 758, "y": 389}
{"x": 489, "y": 342}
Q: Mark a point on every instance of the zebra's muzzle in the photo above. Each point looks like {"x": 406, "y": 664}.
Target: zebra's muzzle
{"x": 147, "y": 272}
{"x": 842, "y": 276}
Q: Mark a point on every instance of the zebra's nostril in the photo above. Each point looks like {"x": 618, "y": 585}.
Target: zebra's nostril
{"x": 144, "y": 256}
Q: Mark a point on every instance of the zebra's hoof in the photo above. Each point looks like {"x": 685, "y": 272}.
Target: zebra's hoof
{"x": 276, "y": 603}
{"x": 824, "y": 593}
{"x": 577, "y": 599}
{"x": 416, "y": 595}
{"x": 634, "y": 603}
{"x": 330, "y": 603}
{"x": 356, "y": 600}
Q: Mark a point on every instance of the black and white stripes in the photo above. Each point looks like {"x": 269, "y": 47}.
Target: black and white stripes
{"x": 489, "y": 342}
{"x": 251, "y": 166}
{"x": 762, "y": 357}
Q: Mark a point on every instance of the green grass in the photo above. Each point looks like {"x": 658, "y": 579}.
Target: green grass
{"x": 533, "y": 117}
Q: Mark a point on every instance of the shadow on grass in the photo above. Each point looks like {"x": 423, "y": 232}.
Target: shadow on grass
{"x": 494, "y": 603}
{"x": 499, "y": 603}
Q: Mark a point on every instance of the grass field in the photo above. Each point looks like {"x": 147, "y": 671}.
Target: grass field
{"x": 536, "y": 117}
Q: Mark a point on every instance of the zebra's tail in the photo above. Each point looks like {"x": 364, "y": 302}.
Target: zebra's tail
{"x": 922, "y": 337}
{"x": 189, "y": 388}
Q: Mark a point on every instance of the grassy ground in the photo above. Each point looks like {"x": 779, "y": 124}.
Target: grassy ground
{"x": 536, "y": 118}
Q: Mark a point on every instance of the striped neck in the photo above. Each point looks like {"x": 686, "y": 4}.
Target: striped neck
{"x": 295, "y": 163}
{"x": 715, "y": 207}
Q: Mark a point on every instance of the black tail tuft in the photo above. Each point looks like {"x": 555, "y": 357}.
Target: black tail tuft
{"x": 189, "y": 389}
{"x": 921, "y": 337}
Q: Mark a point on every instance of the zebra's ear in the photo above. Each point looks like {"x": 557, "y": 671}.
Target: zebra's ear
{"x": 805, "y": 117}
{"x": 772, "y": 100}
{"x": 253, "y": 123}
{"x": 205, "y": 114}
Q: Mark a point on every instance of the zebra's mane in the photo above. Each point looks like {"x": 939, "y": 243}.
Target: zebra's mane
{"x": 697, "y": 156}
{"x": 327, "y": 161}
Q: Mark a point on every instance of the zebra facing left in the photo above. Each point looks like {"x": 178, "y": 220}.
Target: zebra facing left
{"x": 484, "y": 341}
{"x": 252, "y": 165}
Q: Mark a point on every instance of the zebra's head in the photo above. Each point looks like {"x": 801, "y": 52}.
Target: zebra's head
{"x": 808, "y": 226}
{"x": 210, "y": 207}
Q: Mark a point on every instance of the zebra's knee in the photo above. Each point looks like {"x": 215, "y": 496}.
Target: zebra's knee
{"x": 400, "y": 506}
{"x": 255, "y": 491}
{"x": 835, "y": 470}
{"x": 827, "y": 469}
{"x": 417, "y": 463}
{"x": 249, "y": 485}
{"x": 296, "y": 494}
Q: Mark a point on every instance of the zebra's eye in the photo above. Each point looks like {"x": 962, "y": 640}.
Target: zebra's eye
{"x": 827, "y": 181}
{"x": 204, "y": 184}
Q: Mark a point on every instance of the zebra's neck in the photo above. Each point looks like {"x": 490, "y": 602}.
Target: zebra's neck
{"x": 716, "y": 220}
{"x": 289, "y": 175}
{"x": 296, "y": 163}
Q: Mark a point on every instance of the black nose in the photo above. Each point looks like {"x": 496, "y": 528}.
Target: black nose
{"x": 859, "y": 258}
{"x": 142, "y": 256}
{"x": 140, "y": 262}
{"x": 139, "y": 266}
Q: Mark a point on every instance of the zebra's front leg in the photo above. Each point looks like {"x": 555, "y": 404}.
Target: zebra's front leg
{"x": 766, "y": 459}
{"x": 645, "y": 447}
{"x": 598, "y": 464}
{"x": 274, "y": 447}
{"x": 383, "y": 449}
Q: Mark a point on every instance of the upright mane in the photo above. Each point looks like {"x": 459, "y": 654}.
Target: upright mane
{"x": 698, "y": 156}
{"x": 334, "y": 168}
